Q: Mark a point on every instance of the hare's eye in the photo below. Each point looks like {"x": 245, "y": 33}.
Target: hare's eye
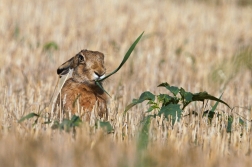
{"x": 81, "y": 58}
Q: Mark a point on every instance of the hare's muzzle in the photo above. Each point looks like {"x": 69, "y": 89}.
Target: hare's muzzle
{"x": 98, "y": 76}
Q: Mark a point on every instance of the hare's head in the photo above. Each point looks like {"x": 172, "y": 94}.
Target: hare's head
{"x": 88, "y": 66}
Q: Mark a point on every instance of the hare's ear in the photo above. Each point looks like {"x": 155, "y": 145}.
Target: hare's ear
{"x": 65, "y": 67}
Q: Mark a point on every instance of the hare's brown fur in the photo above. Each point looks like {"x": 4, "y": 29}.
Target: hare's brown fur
{"x": 80, "y": 92}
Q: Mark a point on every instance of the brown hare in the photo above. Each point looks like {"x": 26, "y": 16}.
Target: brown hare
{"x": 80, "y": 92}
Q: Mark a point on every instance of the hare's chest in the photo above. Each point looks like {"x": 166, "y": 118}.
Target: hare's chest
{"x": 89, "y": 98}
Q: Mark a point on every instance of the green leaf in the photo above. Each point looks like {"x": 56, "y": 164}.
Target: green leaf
{"x": 152, "y": 108}
{"x": 75, "y": 100}
{"x": 151, "y": 102}
{"x": 143, "y": 139}
{"x": 28, "y": 116}
{"x": 47, "y": 122}
{"x": 241, "y": 122}
{"x": 230, "y": 121}
{"x": 127, "y": 55}
{"x": 173, "y": 89}
{"x": 187, "y": 96}
{"x": 55, "y": 125}
{"x": 50, "y": 46}
{"x": 107, "y": 126}
{"x": 164, "y": 98}
{"x": 205, "y": 96}
{"x": 66, "y": 124}
{"x": 209, "y": 114}
{"x": 16, "y": 31}
{"x": 100, "y": 85}
{"x": 144, "y": 96}
{"x": 171, "y": 110}
{"x": 75, "y": 121}
{"x": 229, "y": 126}
{"x": 216, "y": 104}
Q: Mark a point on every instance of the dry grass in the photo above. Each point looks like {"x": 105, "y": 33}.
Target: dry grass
{"x": 183, "y": 44}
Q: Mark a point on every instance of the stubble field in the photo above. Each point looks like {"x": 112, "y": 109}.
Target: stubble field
{"x": 200, "y": 46}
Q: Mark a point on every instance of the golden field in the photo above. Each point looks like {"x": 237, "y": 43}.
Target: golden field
{"x": 197, "y": 45}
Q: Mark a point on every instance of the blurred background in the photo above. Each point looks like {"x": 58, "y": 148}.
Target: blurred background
{"x": 199, "y": 45}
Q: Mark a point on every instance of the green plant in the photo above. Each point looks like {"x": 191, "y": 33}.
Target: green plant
{"x": 126, "y": 56}
{"x": 50, "y": 46}
{"x": 66, "y": 124}
{"x": 171, "y": 106}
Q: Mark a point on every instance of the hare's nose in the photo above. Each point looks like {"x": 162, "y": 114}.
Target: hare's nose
{"x": 99, "y": 75}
